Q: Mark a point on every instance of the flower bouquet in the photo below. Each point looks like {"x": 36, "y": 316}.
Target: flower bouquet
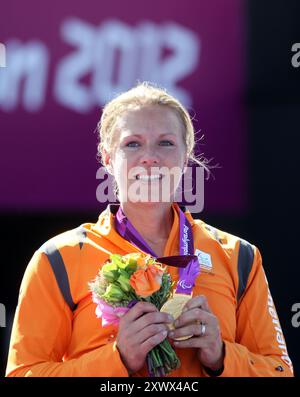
{"x": 120, "y": 284}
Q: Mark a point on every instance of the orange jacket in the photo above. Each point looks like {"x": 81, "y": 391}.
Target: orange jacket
{"x": 56, "y": 335}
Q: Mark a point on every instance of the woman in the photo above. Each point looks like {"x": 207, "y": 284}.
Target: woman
{"x": 56, "y": 332}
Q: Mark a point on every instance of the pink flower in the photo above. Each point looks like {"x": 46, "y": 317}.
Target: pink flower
{"x": 110, "y": 315}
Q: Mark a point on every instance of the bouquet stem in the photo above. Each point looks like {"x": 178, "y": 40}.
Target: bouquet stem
{"x": 162, "y": 359}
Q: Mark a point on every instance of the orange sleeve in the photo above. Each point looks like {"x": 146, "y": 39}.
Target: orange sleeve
{"x": 42, "y": 328}
{"x": 260, "y": 349}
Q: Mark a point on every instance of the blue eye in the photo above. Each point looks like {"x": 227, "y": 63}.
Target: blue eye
{"x": 132, "y": 144}
{"x": 167, "y": 143}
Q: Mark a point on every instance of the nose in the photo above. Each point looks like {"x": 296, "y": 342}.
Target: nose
{"x": 149, "y": 158}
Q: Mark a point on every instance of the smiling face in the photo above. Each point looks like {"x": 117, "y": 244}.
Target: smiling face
{"x": 148, "y": 143}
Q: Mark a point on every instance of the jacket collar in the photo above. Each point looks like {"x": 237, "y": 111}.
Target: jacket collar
{"x": 105, "y": 226}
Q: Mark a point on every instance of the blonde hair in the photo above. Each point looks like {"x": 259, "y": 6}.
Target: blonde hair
{"x": 144, "y": 94}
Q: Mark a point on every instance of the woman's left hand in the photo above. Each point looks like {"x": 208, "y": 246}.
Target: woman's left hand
{"x": 207, "y": 339}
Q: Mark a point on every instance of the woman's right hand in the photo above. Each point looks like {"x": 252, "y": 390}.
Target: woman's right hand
{"x": 140, "y": 330}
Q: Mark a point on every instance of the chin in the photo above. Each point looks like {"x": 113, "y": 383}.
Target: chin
{"x": 151, "y": 204}
{"x": 140, "y": 193}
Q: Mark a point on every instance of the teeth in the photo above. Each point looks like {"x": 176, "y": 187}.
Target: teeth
{"x": 148, "y": 177}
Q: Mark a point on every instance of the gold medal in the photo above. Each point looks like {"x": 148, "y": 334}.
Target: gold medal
{"x": 174, "y": 306}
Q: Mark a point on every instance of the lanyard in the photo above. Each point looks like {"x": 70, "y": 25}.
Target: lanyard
{"x": 187, "y": 262}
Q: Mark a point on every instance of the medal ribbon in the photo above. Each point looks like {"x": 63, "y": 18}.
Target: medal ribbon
{"x": 187, "y": 262}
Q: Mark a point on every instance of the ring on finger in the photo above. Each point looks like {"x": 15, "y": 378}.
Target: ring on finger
{"x": 202, "y": 329}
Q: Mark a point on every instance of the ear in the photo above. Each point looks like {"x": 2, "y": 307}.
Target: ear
{"x": 106, "y": 159}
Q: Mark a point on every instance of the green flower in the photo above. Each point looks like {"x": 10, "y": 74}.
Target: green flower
{"x": 110, "y": 272}
{"x": 123, "y": 280}
{"x": 114, "y": 293}
{"x": 131, "y": 265}
{"x": 116, "y": 259}
{"x": 126, "y": 263}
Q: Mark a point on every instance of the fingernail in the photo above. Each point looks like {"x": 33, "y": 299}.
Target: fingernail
{"x": 165, "y": 333}
{"x": 171, "y": 334}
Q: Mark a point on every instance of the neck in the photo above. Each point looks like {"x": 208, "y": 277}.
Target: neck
{"x": 153, "y": 221}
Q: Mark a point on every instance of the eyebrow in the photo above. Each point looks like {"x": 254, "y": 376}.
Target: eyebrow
{"x": 141, "y": 135}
